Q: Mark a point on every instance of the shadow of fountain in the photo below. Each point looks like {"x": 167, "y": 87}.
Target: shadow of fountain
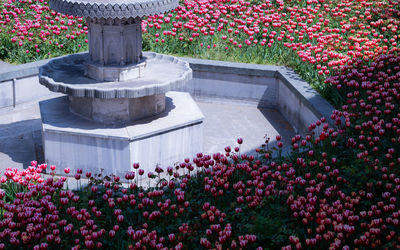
{"x": 21, "y": 142}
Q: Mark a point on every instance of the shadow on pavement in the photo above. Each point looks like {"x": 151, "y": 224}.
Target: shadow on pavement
{"x": 21, "y": 143}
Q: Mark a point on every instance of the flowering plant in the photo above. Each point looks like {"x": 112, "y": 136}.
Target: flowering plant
{"x": 30, "y": 31}
{"x": 338, "y": 188}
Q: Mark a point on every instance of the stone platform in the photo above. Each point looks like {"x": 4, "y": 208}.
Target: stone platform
{"x": 72, "y": 141}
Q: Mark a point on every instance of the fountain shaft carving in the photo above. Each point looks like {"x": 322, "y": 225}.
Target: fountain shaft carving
{"x": 115, "y": 49}
{"x": 115, "y": 42}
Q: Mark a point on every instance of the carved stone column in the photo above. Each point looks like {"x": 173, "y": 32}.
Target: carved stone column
{"x": 115, "y": 49}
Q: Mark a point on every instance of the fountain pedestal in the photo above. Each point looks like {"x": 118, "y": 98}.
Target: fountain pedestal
{"x": 117, "y": 110}
{"x": 164, "y": 139}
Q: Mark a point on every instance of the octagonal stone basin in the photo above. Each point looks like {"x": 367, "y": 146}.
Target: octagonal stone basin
{"x": 115, "y": 102}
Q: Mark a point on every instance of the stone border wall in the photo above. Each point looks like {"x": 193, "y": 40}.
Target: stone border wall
{"x": 250, "y": 84}
{"x": 262, "y": 85}
{"x": 20, "y": 84}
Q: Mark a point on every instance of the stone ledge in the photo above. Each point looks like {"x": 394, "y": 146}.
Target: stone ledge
{"x": 21, "y": 71}
{"x": 66, "y": 75}
{"x": 71, "y": 141}
{"x": 310, "y": 98}
{"x": 232, "y": 67}
{"x": 301, "y": 89}
{"x": 115, "y": 73}
{"x": 56, "y": 118}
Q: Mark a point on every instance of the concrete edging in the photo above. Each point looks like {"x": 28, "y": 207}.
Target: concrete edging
{"x": 261, "y": 85}
{"x": 305, "y": 95}
{"x": 21, "y": 71}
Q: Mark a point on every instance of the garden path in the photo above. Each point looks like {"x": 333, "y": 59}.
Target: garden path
{"x": 21, "y": 142}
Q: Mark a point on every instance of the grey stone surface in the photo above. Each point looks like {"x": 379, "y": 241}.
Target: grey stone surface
{"x": 4, "y": 65}
{"x": 256, "y": 90}
{"x": 21, "y": 71}
{"x": 70, "y": 141}
{"x": 162, "y": 73}
{"x": 223, "y": 124}
{"x": 6, "y": 94}
{"x": 302, "y": 105}
{"x": 20, "y": 136}
{"x": 300, "y": 89}
{"x": 115, "y": 41}
{"x": 113, "y": 8}
{"x": 232, "y": 67}
{"x": 119, "y": 110}
{"x": 295, "y": 110}
{"x": 115, "y": 73}
{"x": 115, "y": 49}
{"x": 56, "y": 115}
{"x": 28, "y": 89}
{"x": 22, "y": 90}
{"x": 306, "y": 96}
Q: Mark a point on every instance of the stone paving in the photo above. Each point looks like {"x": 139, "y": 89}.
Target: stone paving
{"x": 21, "y": 142}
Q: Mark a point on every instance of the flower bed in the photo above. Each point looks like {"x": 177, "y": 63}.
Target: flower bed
{"x": 318, "y": 36}
{"x": 30, "y": 31}
{"x": 338, "y": 188}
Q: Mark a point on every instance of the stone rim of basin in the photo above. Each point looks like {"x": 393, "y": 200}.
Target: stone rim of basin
{"x": 145, "y": 86}
{"x": 113, "y": 8}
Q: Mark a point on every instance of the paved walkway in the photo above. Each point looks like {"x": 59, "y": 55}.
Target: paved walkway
{"x": 21, "y": 142}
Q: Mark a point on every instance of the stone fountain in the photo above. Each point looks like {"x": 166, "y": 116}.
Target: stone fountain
{"x": 120, "y": 107}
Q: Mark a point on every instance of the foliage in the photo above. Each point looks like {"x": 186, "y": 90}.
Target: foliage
{"x": 338, "y": 188}
{"x": 314, "y": 37}
{"x": 30, "y": 31}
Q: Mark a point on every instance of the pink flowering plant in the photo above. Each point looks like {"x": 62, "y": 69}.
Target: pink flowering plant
{"x": 318, "y": 36}
{"x": 337, "y": 188}
{"x": 30, "y": 31}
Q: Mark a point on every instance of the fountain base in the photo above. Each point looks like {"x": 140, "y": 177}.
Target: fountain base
{"x": 115, "y": 73}
{"x": 117, "y": 110}
{"x": 72, "y": 141}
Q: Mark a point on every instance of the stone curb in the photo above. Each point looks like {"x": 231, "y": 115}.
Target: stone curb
{"x": 318, "y": 105}
{"x": 314, "y": 101}
{"x": 22, "y": 70}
